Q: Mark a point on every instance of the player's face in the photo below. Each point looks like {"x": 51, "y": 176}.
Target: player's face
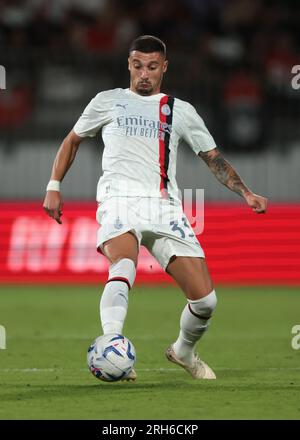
{"x": 146, "y": 72}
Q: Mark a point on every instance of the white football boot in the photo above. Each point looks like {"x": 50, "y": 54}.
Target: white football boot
{"x": 131, "y": 376}
{"x": 198, "y": 369}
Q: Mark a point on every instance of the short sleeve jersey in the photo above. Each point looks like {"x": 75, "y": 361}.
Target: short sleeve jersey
{"x": 141, "y": 136}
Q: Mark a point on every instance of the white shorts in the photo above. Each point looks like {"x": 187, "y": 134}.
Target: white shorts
{"x": 157, "y": 224}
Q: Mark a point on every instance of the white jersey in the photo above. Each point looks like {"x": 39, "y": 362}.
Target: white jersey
{"x": 141, "y": 136}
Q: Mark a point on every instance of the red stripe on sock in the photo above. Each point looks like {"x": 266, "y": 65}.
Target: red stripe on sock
{"x": 125, "y": 280}
{"x": 196, "y": 314}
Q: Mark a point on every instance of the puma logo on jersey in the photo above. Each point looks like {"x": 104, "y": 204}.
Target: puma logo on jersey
{"x": 122, "y": 105}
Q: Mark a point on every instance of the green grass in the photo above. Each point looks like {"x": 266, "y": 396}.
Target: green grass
{"x": 248, "y": 345}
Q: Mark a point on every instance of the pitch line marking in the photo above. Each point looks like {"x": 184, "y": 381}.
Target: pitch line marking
{"x": 148, "y": 370}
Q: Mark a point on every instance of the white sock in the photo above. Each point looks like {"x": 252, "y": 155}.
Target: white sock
{"x": 114, "y": 299}
{"x": 194, "y": 322}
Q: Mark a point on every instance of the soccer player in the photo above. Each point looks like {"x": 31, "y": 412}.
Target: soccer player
{"x": 138, "y": 195}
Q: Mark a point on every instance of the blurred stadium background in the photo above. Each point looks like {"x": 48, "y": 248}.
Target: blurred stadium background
{"x": 232, "y": 59}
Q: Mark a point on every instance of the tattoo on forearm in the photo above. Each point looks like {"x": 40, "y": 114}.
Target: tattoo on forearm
{"x": 224, "y": 172}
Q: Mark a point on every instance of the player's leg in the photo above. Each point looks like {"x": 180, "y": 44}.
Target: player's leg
{"x": 122, "y": 253}
{"x": 192, "y": 275}
{"x": 123, "y": 246}
{"x": 119, "y": 241}
{"x": 178, "y": 251}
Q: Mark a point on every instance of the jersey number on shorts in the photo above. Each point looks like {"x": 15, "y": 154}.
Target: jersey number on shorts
{"x": 176, "y": 227}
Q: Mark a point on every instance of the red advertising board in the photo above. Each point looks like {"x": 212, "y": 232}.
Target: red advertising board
{"x": 241, "y": 247}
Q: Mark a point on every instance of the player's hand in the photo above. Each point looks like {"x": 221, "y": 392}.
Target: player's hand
{"x": 257, "y": 203}
{"x": 53, "y": 205}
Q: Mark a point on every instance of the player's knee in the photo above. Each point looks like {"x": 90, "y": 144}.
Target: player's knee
{"x": 204, "y": 306}
{"x": 123, "y": 269}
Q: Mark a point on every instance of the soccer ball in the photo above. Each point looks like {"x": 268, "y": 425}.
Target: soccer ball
{"x": 111, "y": 357}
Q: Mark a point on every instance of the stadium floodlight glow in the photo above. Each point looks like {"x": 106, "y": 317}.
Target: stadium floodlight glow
{"x": 2, "y": 78}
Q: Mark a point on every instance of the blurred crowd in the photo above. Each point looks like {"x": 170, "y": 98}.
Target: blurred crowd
{"x": 234, "y": 56}
{"x": 229, "y": 27}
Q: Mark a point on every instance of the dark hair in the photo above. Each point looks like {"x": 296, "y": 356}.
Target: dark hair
{"x": 148, "y": 44}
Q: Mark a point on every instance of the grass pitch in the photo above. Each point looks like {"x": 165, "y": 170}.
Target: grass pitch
{"x": 43, "y": 373}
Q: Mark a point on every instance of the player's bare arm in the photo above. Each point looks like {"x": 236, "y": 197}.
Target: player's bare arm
{"x": 227, "y": 175}
{"x": 53, "y": 202}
